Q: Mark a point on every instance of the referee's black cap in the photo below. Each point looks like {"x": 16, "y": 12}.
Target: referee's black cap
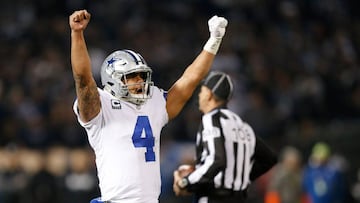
{"x": 220, "y": 84}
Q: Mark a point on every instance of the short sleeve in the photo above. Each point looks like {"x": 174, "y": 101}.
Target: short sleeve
{"x": 92, "y": 127}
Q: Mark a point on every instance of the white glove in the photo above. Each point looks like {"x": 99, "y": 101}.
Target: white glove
{"x": 217, "y": 26}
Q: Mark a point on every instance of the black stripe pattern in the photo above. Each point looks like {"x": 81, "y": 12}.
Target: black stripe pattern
{"x": 224, "y": 146}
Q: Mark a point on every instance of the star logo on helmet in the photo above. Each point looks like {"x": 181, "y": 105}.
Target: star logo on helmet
{"x": 111, "y": 61}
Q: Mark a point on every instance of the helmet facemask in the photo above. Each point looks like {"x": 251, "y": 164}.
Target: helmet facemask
{"x": 118, "y": 68}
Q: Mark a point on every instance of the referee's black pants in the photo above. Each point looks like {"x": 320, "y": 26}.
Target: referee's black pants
{"x": 235, "y": 197}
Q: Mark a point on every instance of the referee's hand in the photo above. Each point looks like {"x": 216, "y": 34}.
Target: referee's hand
{"x": 178, "y": 191}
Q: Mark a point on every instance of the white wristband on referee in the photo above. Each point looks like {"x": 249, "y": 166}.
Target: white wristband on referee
{"x": 212, "y": 45}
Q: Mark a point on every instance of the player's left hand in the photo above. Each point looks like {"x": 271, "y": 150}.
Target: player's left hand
{"x": 217, "y": 26}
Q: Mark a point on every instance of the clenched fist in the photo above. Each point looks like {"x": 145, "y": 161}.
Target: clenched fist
{"x": 217, "y": 26}
{"x": 79, "y": 20}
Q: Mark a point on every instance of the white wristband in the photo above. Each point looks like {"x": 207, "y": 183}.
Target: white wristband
{"x": 212, "y": 45}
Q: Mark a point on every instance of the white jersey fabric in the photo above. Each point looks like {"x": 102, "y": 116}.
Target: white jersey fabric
{"x": 126, "y": 141}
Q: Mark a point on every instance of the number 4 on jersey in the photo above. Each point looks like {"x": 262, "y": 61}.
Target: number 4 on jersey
{"x": 143, "y": 125}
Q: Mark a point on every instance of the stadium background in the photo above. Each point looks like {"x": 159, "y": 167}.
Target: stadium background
{"x": 295, "y": 64}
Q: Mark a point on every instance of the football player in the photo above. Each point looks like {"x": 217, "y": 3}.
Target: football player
{"x": 123, "y": 119}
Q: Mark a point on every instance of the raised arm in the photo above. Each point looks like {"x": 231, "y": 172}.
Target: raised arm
{"x": 183, "y": 88}
{"x": 86, "y": 89}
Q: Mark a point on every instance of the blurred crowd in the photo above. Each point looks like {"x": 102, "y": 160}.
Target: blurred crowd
{"x": 295, "y": 64}
{"x": 56, "y": 174}
{"x": 320, "y": 178}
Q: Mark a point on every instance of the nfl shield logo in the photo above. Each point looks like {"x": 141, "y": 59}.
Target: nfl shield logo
{"x": 115, "y": 103}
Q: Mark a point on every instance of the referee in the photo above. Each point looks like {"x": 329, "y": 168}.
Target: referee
{"x": 228, "y": 154}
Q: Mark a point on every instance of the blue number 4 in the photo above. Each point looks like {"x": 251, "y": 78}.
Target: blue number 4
{"x": 143, "y": 125}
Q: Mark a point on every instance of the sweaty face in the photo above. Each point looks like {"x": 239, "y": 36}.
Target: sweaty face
{"x": 135, "y": 82}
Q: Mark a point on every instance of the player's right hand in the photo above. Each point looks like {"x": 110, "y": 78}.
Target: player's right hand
{"x": 79, "y": 20}
{"x": 217, "y": 26}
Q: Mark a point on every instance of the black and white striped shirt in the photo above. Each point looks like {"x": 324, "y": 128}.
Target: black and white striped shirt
{"x": 227, "y": 153}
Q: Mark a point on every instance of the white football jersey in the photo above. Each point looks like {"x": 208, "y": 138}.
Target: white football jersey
{"x": 126, "y": 142}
